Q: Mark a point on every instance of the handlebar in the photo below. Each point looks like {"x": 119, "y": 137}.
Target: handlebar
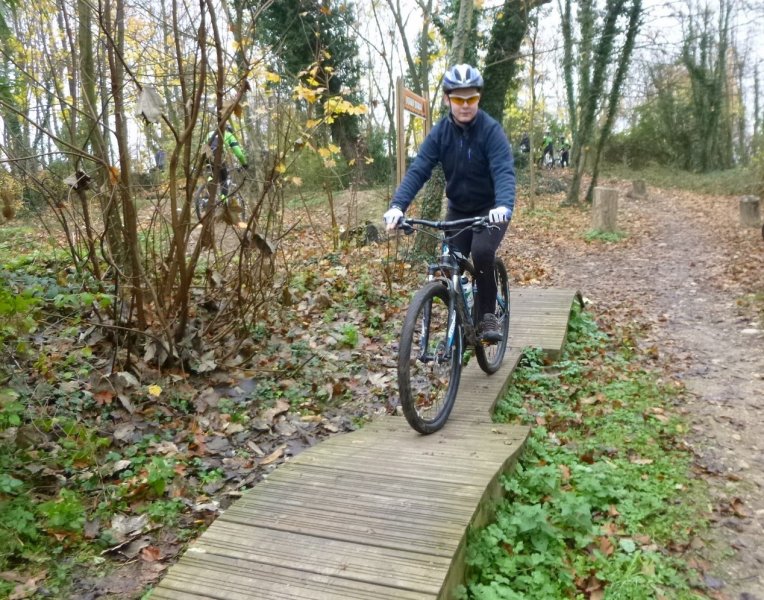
{"x": 477, "y": 223}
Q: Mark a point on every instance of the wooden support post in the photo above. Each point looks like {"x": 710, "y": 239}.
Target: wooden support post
{"x": 400, "y": 157}
{"x": 750, "y": 211}
{"x": 605, "y": 209}
{"x": 638, "y": 189}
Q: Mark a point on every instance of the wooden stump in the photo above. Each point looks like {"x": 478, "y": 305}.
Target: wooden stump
{"x": 605, "y": 209}
{"x": 638, "y": 189}
{"x": 750, "y": 211}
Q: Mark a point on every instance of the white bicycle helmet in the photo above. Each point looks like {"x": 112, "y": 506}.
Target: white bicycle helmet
{"x": 461, "y": 77}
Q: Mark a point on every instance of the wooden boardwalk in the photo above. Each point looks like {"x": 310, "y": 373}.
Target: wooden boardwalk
{"x": 380, "y": 513}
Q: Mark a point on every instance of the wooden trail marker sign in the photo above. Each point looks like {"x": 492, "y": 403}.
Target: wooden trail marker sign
{"x": 407, "y": 101}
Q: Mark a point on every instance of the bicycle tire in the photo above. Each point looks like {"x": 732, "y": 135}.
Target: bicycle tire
{"x": 201, "y": 200}
{"x": 491, "y": 356}
{"x": 240, "y": 210}
{"x": 428, "y": 380}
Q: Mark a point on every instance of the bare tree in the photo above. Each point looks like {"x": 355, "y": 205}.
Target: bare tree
{"x": 595, "y": 57}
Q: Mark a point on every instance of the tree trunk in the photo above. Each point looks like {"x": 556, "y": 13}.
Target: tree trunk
{"x": 708, "y": 80}
{"x": 89, "y": 137}
{"x": 532, "y": 85}
{"x": 432, "y": 195}
{"x": 592, "y": 92}
{"x": 501, "y": 66}
{"x": 132, "y": 265}
{"x": 756, "y": 105}
{"x": 614, "y": 98}
{"x": 567, "y": 66}
{"x": 742, "y": 147}
{"x": 463, "y": 27}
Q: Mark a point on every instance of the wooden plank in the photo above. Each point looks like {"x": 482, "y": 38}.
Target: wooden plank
{"x": 404, "y": 569}
{"x": 367, "y": 509}
{"x": 397, "y": 530}
{"x": 203, "y": 575}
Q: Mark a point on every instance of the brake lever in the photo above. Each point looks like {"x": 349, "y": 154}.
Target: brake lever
{"x": 406, "y": 228}
{"x": 482, "y": 224}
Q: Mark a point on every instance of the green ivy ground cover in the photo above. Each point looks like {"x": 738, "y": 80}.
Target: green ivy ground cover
{"x": 602, "y": 503}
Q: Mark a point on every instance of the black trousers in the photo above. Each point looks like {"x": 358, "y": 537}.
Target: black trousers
{"x": 482, "y": 247}
{"x": 223, "y": 183}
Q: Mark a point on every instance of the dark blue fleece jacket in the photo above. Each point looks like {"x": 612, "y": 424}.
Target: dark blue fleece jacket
{"x": 477, "y": 161}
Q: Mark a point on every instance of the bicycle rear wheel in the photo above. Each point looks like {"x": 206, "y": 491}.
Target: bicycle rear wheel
{"x": 238, "y": 208}
{"x": 429, "y": 363}
{"x": 490, "y": 356}
{"x": 201, "y": 200}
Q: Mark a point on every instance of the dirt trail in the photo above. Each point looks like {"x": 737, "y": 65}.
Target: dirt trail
{"x": 670, "y": 275}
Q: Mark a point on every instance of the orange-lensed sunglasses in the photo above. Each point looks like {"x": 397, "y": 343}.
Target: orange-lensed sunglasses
{"x": 459, "y": 101}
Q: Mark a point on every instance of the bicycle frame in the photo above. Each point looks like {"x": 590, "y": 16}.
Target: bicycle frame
{"x": 451, "y": 266}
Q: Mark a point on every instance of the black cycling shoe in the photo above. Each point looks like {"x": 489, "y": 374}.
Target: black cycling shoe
{"x": 490, "y": 332}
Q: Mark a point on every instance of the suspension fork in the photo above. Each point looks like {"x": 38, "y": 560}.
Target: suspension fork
{"x": 424, "y": 344}
{"x": 453, "y": 307}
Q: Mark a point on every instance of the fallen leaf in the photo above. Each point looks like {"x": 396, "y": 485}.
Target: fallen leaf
{"x": 627, "y": 545}
{"x": 207, "y": 398}
{"x": 125, "y": 401}
{"x": 119, "y": 465}
{"x": 166, "y": 447}
{"x": 124, "y": 432}
{"x": 127, "y": 380}
{"x": 738, "y": 507}
{"x": 134, "y": 548}
{"x": 605, "y": 546}
{"x": 151, "y": 553}
{"x": 280, "y": 407}
{"x": 273, "y": 456}
{"x": 103, "y": 397}
{"x": 28, "y": 587}
{"x": 123, "y": 527}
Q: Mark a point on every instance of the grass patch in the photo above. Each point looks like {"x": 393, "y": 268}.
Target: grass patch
{"x": 753, "y": 303}
{"x": 609, "y": 237}
{"x": 738, "y": 181}
{"x": 602, "y": 497}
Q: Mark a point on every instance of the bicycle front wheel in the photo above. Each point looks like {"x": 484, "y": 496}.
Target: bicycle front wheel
{"x": 490, "y": 356}
{"x": 429, "y": 359}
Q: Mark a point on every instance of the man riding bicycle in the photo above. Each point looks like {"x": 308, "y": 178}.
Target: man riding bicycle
{"x": 231, "y": 144}
{"x": 480, "y": 181}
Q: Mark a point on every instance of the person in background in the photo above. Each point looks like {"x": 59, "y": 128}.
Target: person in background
{"x": 548, "y": 146}
{"x": 159, "y": 159}
{"x": 525, "y": 143}
{"x": 564, "y": 152}
{"x": 230, "y": 144}
{"x": 480, "y": 181}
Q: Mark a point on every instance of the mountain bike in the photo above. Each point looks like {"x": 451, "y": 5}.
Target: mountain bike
{"x": 234, "y": 202}
{"x": 441, "y": 320}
